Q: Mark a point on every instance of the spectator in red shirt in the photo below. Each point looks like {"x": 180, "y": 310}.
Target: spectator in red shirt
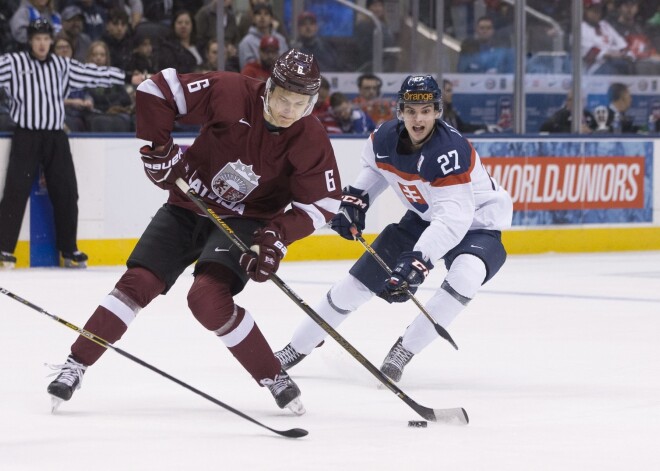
{"x": 269, "y": 48}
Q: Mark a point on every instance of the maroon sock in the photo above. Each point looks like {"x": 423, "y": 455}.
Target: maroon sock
{"x": 104, "y": 324}
{"x": 256, "y": 356}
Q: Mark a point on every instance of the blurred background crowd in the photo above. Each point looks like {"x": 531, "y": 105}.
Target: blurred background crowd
{"x": 365, "y": 48}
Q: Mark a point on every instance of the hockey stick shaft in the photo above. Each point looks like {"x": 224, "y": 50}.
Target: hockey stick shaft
{"x": 292, "y": 433}
{"x": 455, "y": 415}
{"x": 442, "y": 332}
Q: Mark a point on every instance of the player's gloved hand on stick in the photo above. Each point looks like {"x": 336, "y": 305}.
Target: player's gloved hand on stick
{"x": 410, "y": 271}
{"x": 352, "y": 212}
{"x": 264, "y": 259}
{"x": 164, "y": 164}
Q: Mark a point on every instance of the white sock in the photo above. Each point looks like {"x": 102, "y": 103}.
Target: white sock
{"x": 465, "y": 276}
{"x": 346, "y": 296}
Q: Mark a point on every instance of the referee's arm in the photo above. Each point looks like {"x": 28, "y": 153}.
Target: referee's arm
{"x": 92, "y": 76}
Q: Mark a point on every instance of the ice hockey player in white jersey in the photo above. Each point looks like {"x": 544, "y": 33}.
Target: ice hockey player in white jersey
{"x": 455, "y": 213}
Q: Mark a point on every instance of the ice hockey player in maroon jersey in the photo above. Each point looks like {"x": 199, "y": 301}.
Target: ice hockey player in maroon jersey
{"x": 258, "y": 152}
{"x": 455, "y": 213}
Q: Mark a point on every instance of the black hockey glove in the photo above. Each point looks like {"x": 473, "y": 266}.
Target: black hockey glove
{"x": 411, "y": 270}
{"x": 352, "y": 212}
{"x": 164, "y": 167}
{"x": 264, "y": 259}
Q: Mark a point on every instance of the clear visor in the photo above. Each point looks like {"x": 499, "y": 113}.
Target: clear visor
{"x": 269, "y": 87}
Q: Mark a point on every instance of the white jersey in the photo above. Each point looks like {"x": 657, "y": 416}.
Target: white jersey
{"x": 444, "y": 182}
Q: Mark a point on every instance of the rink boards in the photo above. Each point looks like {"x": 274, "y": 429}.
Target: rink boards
{"x": 570, "y": 195}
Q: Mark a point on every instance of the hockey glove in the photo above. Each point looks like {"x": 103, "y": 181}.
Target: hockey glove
{"x": 165, "y": 166}
{"x": 352, "y": 212}
{"x": 411, "y": 270}
{"x": 264, "y": 258}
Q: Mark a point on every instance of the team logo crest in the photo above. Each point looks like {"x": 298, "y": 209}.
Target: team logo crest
{"x": 414, "y": 197}
{"x": 234, "y": 182}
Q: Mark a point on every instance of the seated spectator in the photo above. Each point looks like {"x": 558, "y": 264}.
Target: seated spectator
{"x": 30, "y": 10}
{"x": 118, "y": 38}
{"x": 72, "y": 28}
{"x": 206, "y": 20}
{"x": 231, "y": 57}
{"x": 639, "y": 43}
{"x": 269, "y": 51}
{"x": 370, "y": 101}
{"x": 604, "y": 51}
{"x": 79, "y": 103}
{"x": 343, "y": 118}
{"x": 7, "y": 43}
{"x": 94, "y": 18}
{"x": 142, "y": 58}
{"x": 248, "y": 48}
{"x": 620, "y": 101}
{"x": 562, "y": 120}
{"x": 246, "y": 20}
{"x": 134, "y": 9}
{"x": 310, "y": 42}
{"x": 159, "y": 11}
{"x": 501, "y": 14}
{"x": 322, "y": 105}
{"x": 451, "y": 117}
{"x": 179, "y": 51}
{"x": 210, "y": 57}
{"x": 364, "y": 38}
{"x": 485, "y": 53}
{"x": 113, "y": 106}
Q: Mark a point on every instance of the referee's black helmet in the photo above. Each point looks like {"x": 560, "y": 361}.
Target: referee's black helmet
{"x": 39, "y": 26}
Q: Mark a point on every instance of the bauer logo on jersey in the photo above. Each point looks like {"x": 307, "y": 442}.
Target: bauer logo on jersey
{"x": 235, "y": 181}
{"x": 414, "y": 197}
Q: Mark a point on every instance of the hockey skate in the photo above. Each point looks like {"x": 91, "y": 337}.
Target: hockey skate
{"x": 7, "y": 260}
{"x": 285, "y": 392}
{"x": 75, "y": 259}
{"x": 395, "y": 361}
{"x": 69, "y": 378}
{"x": 289, "y": 357}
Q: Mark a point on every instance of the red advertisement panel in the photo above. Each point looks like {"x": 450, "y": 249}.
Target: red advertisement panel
{"x": 556, "y": 183}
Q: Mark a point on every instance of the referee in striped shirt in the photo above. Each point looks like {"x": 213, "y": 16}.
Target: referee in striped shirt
{"x": 38, "y": 81}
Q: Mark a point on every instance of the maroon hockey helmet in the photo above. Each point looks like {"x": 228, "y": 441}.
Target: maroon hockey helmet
{"x": 297, "y": 72}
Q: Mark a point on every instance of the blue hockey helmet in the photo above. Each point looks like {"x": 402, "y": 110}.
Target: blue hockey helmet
{"x": 419, "y": 89}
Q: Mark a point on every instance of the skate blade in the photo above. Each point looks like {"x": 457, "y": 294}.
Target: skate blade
{"x": 296, "y": 406}
{"x": 72, "y": 264}
{"x": 55, "y": 403}
{"x": 7, "y": 265}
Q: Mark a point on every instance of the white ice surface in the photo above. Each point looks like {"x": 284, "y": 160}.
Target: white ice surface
{"x": 558, "y": 368}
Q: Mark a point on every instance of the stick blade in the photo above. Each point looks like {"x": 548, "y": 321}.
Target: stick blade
{"x": 454, "y": 416}
{"x": 293, "y": 433}
{"x": 445, "y": 335}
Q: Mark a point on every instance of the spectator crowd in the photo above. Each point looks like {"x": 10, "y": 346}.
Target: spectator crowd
{"x": 619, "y": 37}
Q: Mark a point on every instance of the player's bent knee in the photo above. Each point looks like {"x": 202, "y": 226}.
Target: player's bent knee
{"x": 466, "y": 275}
{"x": 210, "y": 300}
{"x": 140, "y": 286}
{"x": 348, "y": 294}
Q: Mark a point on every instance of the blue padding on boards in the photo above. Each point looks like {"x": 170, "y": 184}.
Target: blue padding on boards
{"x": 43, "y": 252}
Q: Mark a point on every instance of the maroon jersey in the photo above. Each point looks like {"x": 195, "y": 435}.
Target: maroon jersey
{"x": 238, "y": 166}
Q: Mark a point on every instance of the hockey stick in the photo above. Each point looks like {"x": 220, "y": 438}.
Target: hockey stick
{"x": 438, "y": 328}
{"x": 454, "y": 415}
{"x": 292, "y": 433}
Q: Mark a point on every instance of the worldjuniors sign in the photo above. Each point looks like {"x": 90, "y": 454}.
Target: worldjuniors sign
{"x": 553, "y": 183}
{"x": 591, "y": 181}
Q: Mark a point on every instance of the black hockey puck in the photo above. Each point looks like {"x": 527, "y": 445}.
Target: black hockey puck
{"x": 417, "y": 423}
